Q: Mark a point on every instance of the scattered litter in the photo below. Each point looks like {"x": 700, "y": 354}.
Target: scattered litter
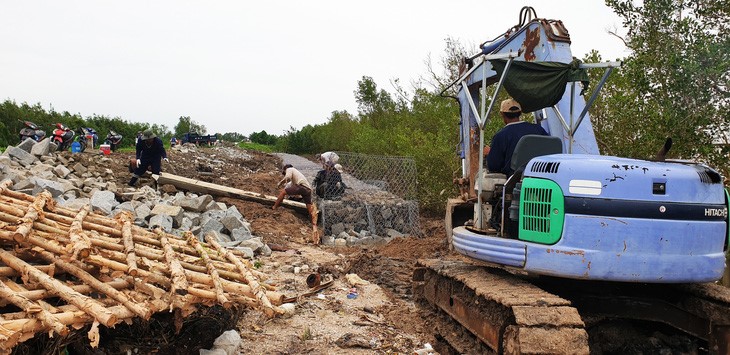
{"x": 313, "y": 280}
{"x": 352, "y": 294}
{"x": 226, "y": 344}
{"x": 355, "y": 280}
{"x": 321, "y": 296}
{"x": 426, "y": 350}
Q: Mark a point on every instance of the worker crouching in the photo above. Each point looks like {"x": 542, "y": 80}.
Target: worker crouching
{"x": 298, "y": 185}
{"x": 149, "y": 154}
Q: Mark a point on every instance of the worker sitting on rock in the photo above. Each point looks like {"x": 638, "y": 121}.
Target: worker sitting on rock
{"x": 298, "y": 186}
{"x": 150, "y": 153}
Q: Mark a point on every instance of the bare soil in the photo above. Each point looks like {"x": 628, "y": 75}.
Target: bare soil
{"x": 382, "y": 318}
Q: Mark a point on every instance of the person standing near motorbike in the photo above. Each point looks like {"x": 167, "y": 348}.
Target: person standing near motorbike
{"x": 150, "y": 153}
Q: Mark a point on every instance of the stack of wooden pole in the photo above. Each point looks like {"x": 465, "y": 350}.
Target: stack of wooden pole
{"x": 54, "y": 259}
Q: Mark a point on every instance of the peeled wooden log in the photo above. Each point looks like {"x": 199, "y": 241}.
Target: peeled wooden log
{"x": 90, "y": 280}
{"x": 30, "y": 307}
{"x": 8, "y": 339}
{"x": 80, "y": 245}
{"x": 31, "y": 326}
{"x": 87, "y": 304}
{"x": 193, "y": 241}
{"x": 205, "y": 279}
{"x": 10, "y": 272}
{"x": 85, "y": 289}
{"x": 126, "y": 219}
{"x": 5, "y": 184}
{"x": 258, "y": 291}
{"x": 140, "y": 250}
{"x": 34, "y": 212}
{"x": 98, "y": 222}
{"x": 179, "y": 280}
{"x": 21, "y": 290}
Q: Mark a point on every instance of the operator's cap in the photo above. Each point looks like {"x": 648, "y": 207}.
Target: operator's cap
{"x": 510, "y": 105}
{"x": 148, "y": 134}
{"x": 338, "y": 167}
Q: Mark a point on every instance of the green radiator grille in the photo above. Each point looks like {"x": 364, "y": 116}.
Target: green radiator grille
{"x": 541, "y": 211}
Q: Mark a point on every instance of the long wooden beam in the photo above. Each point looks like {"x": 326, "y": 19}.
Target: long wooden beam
{"x": 220, "y": 190}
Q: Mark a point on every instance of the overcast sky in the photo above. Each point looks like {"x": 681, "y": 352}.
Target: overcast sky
{"x": 239, "y": 66}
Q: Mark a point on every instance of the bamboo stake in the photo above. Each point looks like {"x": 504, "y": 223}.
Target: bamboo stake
{"x": 88, "y": 305}
{"x": 260, "y": 292}
{"x": 179, "y": 280}
{"x": 126, "y": 219}
{"x": 80, "y": 245}
{"x": 34, "y": 212}
{"x": 193, "y": 241}
{"x": 30, "y": 307}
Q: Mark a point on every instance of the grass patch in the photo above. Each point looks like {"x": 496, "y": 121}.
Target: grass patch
{"x": 256, "y": 146}
{"x": 305, "y": 335}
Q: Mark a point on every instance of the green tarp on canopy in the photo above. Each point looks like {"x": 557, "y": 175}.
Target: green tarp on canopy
{"x": 536, "y": 85}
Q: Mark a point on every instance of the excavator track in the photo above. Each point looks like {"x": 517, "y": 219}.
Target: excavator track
{"x": 506, "y": 313}
{"x": 510, "y": 314}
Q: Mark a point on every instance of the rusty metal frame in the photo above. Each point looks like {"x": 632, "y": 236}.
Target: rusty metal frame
{"x": 570, "y": 129}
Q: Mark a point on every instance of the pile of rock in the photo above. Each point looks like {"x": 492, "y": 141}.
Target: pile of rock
{"x": 34, "y": 167}
{"x": 363, "y": 219}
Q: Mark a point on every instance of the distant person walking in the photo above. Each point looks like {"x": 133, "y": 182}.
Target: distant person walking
{"x": 297, "y": 184}
{"x": 150, "y": 153}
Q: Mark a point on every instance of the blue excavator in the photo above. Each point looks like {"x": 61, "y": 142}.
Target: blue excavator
{"x": 569, "y": 211}
{"x": 571, "y": 234}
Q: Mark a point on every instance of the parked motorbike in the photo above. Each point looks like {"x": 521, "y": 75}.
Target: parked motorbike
{"x": 113, "y": 139}
{"x": 30, "y": 130}
{"x": 62, "y": 136}
{"x": 83, "y": 138}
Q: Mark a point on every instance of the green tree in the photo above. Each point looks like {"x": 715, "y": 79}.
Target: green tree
{"x": 675, "y": 82}
{"x": 262, "y": 138}
{"x": 186, "y": 124}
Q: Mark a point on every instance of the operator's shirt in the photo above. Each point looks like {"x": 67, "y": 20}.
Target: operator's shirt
{"x": 504, "y": 143}
{"x": 297, "y": 178}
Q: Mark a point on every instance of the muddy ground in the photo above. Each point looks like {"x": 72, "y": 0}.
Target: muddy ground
{"x": 382, "y": 318}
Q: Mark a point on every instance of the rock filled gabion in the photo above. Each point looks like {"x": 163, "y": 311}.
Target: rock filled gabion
{"x": 379, "y": 203}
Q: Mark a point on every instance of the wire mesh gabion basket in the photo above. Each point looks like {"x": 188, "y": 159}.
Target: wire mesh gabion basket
{"x": 378, "y": 201}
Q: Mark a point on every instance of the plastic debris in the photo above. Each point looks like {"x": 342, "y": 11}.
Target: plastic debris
{"x": 355, "y": 280}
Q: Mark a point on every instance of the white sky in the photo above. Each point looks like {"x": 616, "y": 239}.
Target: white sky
{"x": 240, "y": 66}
